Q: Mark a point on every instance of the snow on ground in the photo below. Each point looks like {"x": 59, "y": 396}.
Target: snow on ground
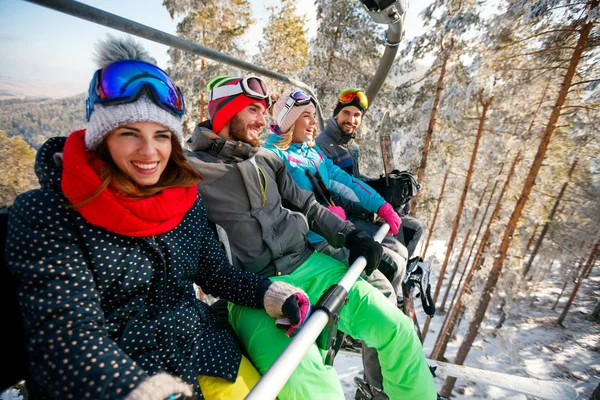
{"x": 529, "y": 344}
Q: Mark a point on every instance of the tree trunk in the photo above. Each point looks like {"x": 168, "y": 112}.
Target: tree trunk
{"x": 333, "y": 47}
{"x": 485, "y": 106}
{"x": 490, "y": 284}
{"x": 585, "y": 270}
{"x": 437, "y": 209}
{"x": 538, "y": 243}
{"x": 540, "y": 277}
{"x": 502, "y": 315}
{"x": 530, "y": 241}
{"x": 439, "y": 88}
{"x": 596, "y": 313}
{"x": 487, "y": 207}
{"x": 590, "y": 271}
{"x": 444, "y": 335}
{"x": 203, "y": 105}
{"x": 462, "y": 250}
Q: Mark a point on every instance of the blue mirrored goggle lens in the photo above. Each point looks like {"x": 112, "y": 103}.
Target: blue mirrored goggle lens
{"x": 299, "y": 95}
{"x": 123, "y": 81}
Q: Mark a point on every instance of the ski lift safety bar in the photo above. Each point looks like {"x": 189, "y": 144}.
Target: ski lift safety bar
{"x": 101, "y": 17}
{"x": 271, "y": 383}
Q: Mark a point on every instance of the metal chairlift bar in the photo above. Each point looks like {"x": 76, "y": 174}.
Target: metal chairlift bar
{"x": 278, "y": 374}
{"x": 393, "y": 37}
{"x": 113, "y": 21}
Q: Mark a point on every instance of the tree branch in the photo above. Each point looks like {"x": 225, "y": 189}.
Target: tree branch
{"x": 536, "y": 36}
{"x": 538, "y": 52}
{"x": 582, "y": 82}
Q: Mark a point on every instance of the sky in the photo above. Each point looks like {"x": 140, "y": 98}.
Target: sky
{"x": 49, "y": 52}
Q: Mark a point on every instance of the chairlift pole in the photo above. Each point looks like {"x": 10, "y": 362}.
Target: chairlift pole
{"x": 393, "y": 16}
{"x": 113, "y": 21}
{"x": 278, "y": 374}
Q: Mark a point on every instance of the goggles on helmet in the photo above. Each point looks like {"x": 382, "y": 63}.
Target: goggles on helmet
{"x": 348, "y": 95}
{"x": 124, "y": 81}
{"x": 297, "y": 98}
{"x": 251, "y": 86}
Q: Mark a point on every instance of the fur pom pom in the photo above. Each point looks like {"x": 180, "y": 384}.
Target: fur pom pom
{"x": 121, "y": 48}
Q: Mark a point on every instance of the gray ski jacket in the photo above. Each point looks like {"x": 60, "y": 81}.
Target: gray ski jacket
{"x": 340, "y": 148}
{"x": 262, "y": 216}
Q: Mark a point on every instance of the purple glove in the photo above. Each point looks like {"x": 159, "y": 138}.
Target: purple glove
{"x": 390, "y": 216}
{"x": 337, "y": 210}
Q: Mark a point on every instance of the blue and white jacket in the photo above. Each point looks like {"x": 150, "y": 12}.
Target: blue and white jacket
{"x": 299, "y": 157}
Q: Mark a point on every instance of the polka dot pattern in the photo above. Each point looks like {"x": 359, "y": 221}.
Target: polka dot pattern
{"x": 104, "y": 311}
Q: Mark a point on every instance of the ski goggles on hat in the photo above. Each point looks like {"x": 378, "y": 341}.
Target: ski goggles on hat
{"x": 251, "y": 86}
{"x": 348, "y": 96}
{"x": 297, "y": 98}
{"x": 124, "y": 81}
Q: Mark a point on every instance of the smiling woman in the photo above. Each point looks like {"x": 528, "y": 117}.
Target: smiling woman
{"x": 123, "y": 236}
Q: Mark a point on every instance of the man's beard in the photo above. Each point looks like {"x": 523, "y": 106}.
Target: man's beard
{"x": 348, "y": 126}
{"x": 238, "y": 130}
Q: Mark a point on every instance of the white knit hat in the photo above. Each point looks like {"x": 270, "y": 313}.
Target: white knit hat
{"x": 286, "y": 122}
{"x": 106, "y": 118}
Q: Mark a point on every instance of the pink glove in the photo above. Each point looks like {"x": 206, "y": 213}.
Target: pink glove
{"x": 339, "y": 211}
{"x": 390, "y": 216}
{"x": 289, "y": 304}
{"x": 296, "y": 309}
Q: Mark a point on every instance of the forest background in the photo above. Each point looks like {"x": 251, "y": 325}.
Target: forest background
{"x": 494, "y": 105}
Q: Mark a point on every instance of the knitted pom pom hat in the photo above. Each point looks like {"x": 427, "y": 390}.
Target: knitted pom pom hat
{"x": 106, "y": 117}
{"x": 221, "y": 110}
{"x": 286, "y": 122}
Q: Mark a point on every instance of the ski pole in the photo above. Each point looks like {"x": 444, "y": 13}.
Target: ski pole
{"x": 278, "y": 374}
{"x": 326, "y": 191}
{"x": 317, "y": 188}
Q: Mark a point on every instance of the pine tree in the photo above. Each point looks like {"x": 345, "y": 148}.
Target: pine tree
{"x": 564, "y": 47}
{"x": 446, "y": 37}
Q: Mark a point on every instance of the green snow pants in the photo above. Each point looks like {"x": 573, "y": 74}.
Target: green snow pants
{"x": 368, "y": 316}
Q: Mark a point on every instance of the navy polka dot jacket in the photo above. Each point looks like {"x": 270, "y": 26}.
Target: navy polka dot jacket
{"x": 104, "y": 311}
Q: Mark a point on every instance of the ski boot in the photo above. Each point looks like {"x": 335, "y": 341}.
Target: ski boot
{"x": 364, "y": 391}
{"x": 351, "y": 344}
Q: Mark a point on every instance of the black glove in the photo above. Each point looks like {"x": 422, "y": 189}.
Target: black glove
{"x": 360, "y": 243}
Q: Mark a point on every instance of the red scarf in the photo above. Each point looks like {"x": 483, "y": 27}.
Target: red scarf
{"x": 113, "y": 211}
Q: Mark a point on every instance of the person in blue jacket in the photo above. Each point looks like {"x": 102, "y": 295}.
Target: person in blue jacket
{"x": 292, "y": 139}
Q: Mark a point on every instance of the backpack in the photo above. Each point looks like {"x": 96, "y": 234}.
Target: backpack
{"x": 398, "y": 188}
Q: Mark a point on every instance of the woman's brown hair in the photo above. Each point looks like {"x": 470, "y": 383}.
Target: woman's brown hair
{"x": 178, "y": 173}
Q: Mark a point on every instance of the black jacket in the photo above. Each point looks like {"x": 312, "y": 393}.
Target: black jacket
{"x": 104, "y": 311}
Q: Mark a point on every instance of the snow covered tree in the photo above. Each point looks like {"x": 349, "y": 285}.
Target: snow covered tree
{"x": 448, "y": 24}
{"x": 566, "y": 34}
{"x": 215, "y": 24}
{"x": 345, "y": 52}
{"x": 283, "y": 47}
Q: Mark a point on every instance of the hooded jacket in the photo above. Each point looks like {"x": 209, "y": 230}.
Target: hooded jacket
{"x": 340, "y": 148}
{"x": 262, "y": 216}
{"x": 299, "y": 158}
{"x": 124, "y": 304}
